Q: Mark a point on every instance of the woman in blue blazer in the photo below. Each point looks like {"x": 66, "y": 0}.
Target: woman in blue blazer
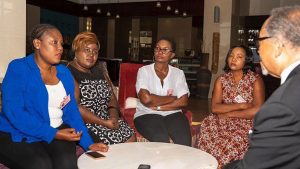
{"x": 40, "y": 123}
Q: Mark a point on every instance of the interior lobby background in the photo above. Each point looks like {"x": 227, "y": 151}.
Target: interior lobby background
{"x": 15, "y": 16}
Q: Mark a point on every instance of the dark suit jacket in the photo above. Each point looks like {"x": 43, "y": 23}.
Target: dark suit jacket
{"x": 275, "y": 141}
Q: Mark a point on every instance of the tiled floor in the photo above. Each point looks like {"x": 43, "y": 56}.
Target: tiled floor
{"x": 199, "y": 107}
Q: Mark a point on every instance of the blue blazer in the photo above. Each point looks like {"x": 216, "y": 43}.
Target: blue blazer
{"x": 25, "y": 104}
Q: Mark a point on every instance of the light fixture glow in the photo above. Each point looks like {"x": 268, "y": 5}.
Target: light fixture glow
{"x": 158, "y": 4}
{"x": 85, "y": 7}
{"x": 117, "y": 16}
{"x": 176, "y": 11}
{"x": 108, "y": 13}
{"x": 89, "y": 24}
{"x": 98, "y": 10}
{"x": 184, "y": 14}
{"x": 168, "y": 8}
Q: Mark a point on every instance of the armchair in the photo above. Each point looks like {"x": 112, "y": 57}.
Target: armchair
{"x": 127, "y": 80}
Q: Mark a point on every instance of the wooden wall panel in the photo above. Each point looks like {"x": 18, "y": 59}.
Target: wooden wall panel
{"x": 215, "y": 52}
{"x": 99, "y": 27}
{"x": 123, "y": 25}
{"x": 148, "y": 24}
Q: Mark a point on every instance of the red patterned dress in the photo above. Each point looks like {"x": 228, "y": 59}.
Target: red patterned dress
{"x": 227, "y": 139}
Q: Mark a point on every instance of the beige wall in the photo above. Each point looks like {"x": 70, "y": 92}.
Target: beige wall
{"x": 258, "y": 7}
{"x": 12, "y": 32}
{"x": 224, "y": 27}
{"x": 180, "y": 29}
{"x": 263, "y": 7}
{"x": 289, "y": 2}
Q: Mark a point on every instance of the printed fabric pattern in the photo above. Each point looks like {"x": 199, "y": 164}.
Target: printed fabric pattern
{"x": 227, "y": 139}
{"x": 95, "y": 94}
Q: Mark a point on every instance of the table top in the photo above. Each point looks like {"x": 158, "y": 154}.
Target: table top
{"x": 158, "y": 155}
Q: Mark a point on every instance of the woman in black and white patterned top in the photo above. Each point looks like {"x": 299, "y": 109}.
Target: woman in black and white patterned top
{"x": 97, "y": 103}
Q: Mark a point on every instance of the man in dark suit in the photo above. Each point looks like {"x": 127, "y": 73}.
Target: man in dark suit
{"x": 275, "y": 141}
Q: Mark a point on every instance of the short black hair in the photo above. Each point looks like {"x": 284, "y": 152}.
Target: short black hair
{"x": 248, "y": 59}
{"x": 170, "y": 40}
{"x": 38, "y": 31}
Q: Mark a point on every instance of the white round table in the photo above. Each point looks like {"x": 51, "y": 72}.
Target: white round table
{"x": 158, "y": 155}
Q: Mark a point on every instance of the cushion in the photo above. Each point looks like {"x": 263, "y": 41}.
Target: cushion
{"x": 130, "y": 102}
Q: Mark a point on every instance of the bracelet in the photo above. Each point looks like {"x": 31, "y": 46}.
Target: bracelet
{"x": 158, "y": 107}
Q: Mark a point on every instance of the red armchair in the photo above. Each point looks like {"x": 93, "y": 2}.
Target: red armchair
{"x": 127, "y": 80}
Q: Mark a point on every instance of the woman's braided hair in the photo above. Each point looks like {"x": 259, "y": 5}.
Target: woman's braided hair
{"x": 38, "y": 31}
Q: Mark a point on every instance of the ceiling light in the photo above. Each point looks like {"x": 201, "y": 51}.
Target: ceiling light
{"x": 158, "y": 5}
{"x": 176, "y": 11}
{"x": 184, "y": 14}
{"x": 85, "y": 7}
{"x": 168, "y": 8}
{"x": 117, "y": 16}
{"x": 98, "y": 10}
{"x": 108, "y": 13}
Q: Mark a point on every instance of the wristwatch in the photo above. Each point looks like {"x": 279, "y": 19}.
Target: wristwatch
{"x": 157, "y": 107}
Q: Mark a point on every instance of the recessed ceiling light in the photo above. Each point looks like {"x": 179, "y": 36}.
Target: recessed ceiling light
{"x": 85, "y": 7}
{"x": 158, "y": 5}
{"x": 168, "y": 8}
{"x": 176, "y": 11}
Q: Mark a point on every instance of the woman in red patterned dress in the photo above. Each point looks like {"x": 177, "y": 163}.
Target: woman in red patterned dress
{"x": 237, "y": 95}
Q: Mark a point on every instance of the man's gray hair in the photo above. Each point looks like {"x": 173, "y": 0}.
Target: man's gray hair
{"x": 285, "y": 22}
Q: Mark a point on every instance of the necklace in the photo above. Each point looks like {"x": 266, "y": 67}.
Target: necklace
{"x": 163, "y": 72}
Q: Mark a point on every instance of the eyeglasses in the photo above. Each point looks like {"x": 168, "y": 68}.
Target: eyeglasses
{"x": 261, "y": 39}
{"x": 90, "y": 51}
{"x": 162, "y": 50}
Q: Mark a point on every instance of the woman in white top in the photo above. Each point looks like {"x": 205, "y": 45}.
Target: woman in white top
{"x": 163, "y": 92}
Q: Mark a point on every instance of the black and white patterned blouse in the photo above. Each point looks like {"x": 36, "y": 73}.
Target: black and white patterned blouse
{"x": 95, "y": 94}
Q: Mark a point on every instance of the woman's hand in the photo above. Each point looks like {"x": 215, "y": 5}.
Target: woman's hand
{"x": 98, "y": 147}
{"x": 68, "y": 134}
{"x": 112, "y": 123}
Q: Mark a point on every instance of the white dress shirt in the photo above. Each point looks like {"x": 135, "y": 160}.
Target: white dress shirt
{"x": 285, "y": 73}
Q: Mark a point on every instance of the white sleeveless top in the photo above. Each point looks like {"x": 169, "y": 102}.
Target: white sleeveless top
{"x": 56, "y": 94}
